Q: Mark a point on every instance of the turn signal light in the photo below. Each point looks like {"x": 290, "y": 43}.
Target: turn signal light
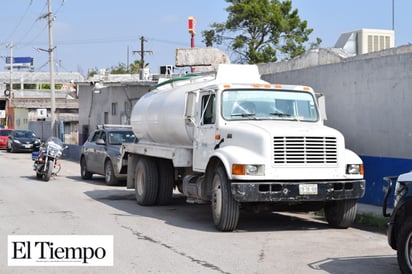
{"x": 238, "y": 169}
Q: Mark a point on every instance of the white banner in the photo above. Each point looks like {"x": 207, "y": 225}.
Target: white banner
{"x": 60, "y": 250}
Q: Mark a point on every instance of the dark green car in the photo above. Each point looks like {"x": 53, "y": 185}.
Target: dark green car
{"x": 100, "y": 154}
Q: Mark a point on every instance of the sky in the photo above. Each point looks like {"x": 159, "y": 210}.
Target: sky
{"x": 99, "y": 34}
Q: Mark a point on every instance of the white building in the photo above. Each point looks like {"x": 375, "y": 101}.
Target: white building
{"x": 366, "y": 41}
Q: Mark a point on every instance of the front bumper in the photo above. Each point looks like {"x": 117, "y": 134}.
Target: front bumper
{"x": 25, "y": 147}
{"x": 288, "y": 191}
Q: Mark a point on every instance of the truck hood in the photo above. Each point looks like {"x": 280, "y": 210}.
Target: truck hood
{"x": 261, "y": 140}
{"x": 284, "y": 128}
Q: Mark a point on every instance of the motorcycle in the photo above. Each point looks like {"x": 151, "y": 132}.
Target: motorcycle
{"x": 46, "y": 159}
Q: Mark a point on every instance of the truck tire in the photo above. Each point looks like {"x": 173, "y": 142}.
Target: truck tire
{"x": 85, "y": 174}
{"x": 109, "y": 177}
{"x": 146, "y": 181}
{"x": 225, "y": 209}
{"x": 341, "y": 214}
{"x": 166, "y": 181}
{"x": 404, "y": 246}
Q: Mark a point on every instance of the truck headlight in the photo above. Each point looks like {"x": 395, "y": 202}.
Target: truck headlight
{"x": 354, "y": 169}
{"x": 253, "y": 170}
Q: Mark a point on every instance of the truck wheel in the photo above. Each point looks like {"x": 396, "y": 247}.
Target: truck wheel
{"x": 83, "y": 170}
{"x": 166, "y": 181}
{"x": 341, "y": 214}
{"x": 146, "y": 181}
{"x": 109, "y": 177}
{"x": 404, "y": 246}
{"x": 224, "y": 208}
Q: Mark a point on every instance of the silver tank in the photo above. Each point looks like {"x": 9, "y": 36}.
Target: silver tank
{"x": 158, "y": 117}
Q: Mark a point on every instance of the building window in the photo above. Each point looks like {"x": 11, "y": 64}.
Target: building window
{"x": 106, "y": 118}
{"x": 126, "y": 107}
{"x": 114, "y": 109}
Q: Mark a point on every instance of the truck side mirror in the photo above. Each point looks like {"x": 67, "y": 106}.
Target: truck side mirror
{"x": 322, "y": 106}
{"x": 100, "y": 142}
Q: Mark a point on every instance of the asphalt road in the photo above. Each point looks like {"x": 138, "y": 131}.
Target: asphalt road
{"x": 178, "y": 238}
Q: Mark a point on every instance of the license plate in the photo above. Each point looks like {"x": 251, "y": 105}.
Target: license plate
{"x": 308, "y": 189}
{"x": 28, "y": 146}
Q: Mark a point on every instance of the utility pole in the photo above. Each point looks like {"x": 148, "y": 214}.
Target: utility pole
{"x": 393, "y": 15}
{"x": 142, "y": 52}
{"x": 51, "y": 63}
{"x": 11, "y": 46}
{"x": 11, "y": 66}
{"x": 128, "y": 61}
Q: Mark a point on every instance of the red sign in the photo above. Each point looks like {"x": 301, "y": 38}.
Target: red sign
{"x": 192, "y": 25}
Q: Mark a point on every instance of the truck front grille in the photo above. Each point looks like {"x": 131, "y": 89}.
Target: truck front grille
{"x": 305, "y": 150}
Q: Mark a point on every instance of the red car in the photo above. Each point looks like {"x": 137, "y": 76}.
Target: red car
{"x": 4, "y": 136}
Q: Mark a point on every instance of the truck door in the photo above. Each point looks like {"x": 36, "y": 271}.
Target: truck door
{"x": 204, "y": 131}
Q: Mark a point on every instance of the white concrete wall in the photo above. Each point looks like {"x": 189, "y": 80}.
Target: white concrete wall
{"x": 368, "y": 98}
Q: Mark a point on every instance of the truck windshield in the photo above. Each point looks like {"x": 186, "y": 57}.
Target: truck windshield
{"x": 265, "y": 104}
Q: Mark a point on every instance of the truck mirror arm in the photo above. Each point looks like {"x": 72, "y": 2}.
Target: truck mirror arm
{"x": 322, "y": 105}
{"x": 218, "y": 144}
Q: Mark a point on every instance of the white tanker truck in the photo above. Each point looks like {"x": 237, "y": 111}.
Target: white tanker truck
{"x": 236, "y": 141}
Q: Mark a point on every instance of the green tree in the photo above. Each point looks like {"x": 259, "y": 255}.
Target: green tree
{"x": 260, "y": 31}
{"x": 135, "y": 67}
{"x": 92, "y": 72}
{"x": 119, "y": 69}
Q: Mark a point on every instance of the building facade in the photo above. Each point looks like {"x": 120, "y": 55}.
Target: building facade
{"x": 108, "y": 101}
{"x": 27, "y": 104}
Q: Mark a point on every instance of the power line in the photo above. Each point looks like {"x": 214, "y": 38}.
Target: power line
{"x": 19, "y": 22}
{"x": 168, "y": 41}
{"x": 98, "y": 40}
{"x": 31, "y": 42}
{"x": 29, "y": 31}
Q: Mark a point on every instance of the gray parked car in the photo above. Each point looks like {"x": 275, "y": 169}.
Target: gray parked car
{"x": 101, "y": 152}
